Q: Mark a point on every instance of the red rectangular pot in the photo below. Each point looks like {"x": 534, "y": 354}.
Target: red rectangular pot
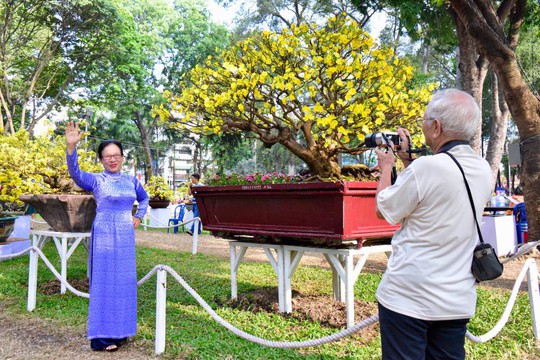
{"x": 324, "y": 212}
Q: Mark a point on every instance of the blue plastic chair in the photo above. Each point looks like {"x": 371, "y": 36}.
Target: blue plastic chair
{"x": 522, "y": 227}
{"x": 178, "y": 218}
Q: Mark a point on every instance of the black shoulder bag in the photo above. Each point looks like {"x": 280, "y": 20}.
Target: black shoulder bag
{"x": 485, "y": 263}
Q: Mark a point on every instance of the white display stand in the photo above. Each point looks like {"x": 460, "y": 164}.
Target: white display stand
{"x": 160, "y": 217}
{"x": 345, "y": 271}
{"x": 500, "y": 232}
{"x": 277, "y": 264}
{"x": 346, "y": 265}
{"x": 66, "y": 243}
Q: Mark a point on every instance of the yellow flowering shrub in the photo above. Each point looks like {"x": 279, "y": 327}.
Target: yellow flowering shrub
{"x": 158, "y": 189}
{"x": 37, "y": 166}
{"x": 316, "y": 90}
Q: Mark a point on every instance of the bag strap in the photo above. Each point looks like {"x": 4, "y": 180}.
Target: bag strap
{"x": 468, "y": 193}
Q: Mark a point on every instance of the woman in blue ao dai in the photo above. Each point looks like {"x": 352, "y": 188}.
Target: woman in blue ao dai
{"x": 112, "y": 311}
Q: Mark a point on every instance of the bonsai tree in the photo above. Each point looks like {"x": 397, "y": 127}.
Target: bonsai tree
{"x": 315, "y": 90}
{"x": 38, "y": 165}
{"x": 158, "y": 189}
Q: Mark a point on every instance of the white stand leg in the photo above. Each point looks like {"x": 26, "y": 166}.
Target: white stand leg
{"x": 290, "y": 263}
{"x": 276, "y": 262}
{"x": 235, "y": 263}
{"x": 344, "y": 271}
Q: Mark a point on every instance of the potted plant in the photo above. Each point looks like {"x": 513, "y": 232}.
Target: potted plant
{"x": 280, "y": 208}
{"x": 159, "y": 193}
{"x": 35, "y": 172}
{"x": 334, "y": 88}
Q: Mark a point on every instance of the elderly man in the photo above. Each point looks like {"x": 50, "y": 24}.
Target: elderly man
{"x": 428, "y": 292}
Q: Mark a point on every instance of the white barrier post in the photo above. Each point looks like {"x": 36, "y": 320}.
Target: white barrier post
{"x": 534, "y": 297}
{"x": 32, "y": 280}
{"x": 161, "y": 307}
{"x": 195, "y": 235}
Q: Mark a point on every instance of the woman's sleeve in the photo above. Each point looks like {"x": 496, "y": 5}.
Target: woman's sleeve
{"x": 142, "y": 199}
{"x": 83, "y": 179}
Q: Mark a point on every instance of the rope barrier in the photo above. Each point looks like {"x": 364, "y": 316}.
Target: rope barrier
{"x": 277, "y": 344}
{"x": 529, "y": 266}
{"x": 163, "y": 226}
{"x": 171, "y": 226}
{"x": 38, "y": 222}
{"x": 50, "y": 266}
{"x": 506, "y": 314}
{"x": 522, "y": 249}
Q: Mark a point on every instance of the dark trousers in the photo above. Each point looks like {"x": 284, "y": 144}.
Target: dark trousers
{"x": 404, "y": 337}
{"x": 196, "y": 214}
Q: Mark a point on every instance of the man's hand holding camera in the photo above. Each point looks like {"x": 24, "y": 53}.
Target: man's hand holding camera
{"x": 403, "y": 151}
{"x": 386, "y": 158}
{"x": 385, "y": 151}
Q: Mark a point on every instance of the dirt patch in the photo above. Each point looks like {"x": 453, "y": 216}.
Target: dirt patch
{"x": 29, "y": 337}
{"x": 52, "y": 287}
{"x": 322, "y": 309}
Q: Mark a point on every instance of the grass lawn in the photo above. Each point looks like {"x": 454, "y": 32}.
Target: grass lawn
{"x": 193, "y": 334}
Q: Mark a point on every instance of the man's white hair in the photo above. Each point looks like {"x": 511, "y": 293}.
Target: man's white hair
{"x": 457, "y": 111}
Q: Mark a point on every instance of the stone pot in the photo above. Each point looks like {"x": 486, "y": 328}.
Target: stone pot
{"x": 64, "y": 212}
{"x": 158, "y": 204}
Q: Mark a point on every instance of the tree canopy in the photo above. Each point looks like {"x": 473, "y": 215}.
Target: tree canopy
{"x": 316, "y": 90}
{"x": 46, "y": 49}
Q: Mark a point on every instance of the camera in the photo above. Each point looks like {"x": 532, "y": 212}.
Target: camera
{"x": 382, "y": 138}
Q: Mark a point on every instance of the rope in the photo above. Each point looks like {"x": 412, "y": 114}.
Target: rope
{"x": 171, "y": 226}
{"x": 162, "y": 226}
{"x": 276, "y": 344}
{"x": 156, "y": 219}
{"x": 506, "y": 314}
{"x": 38, "y": 222}
{"x": 522, "y": 249}
{"x": 50, "y": 266}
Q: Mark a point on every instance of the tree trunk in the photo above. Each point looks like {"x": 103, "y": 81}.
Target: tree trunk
{"x": 473, "y": 69}
{"x": 317, "y": 159}
{"x": 482, "y": 24}
{"x": 145, "y": 138}
{"x": 497, "y": 136}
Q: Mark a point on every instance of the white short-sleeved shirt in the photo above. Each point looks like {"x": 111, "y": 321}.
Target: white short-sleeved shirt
{"x": 429, "y": 272}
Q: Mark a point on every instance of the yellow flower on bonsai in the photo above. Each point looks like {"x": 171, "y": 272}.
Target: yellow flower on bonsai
{"x": 158, "y": 189}
{"x": 36, "y": 166}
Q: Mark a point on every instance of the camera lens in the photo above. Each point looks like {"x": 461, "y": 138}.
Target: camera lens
{"x": 373, "y": 140}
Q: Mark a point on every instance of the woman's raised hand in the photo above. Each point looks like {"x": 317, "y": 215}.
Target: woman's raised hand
{"x": 73, "y": 136}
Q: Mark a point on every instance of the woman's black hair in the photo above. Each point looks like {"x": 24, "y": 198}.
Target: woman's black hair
{"x": 106, "y": 143}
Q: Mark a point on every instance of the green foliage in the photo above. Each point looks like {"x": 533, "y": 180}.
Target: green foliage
{"x": 158, "y": 41}
{"x": 48, "y": 49}
{"x": 252, "y": 179}
{"x": 528, "y": 55}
